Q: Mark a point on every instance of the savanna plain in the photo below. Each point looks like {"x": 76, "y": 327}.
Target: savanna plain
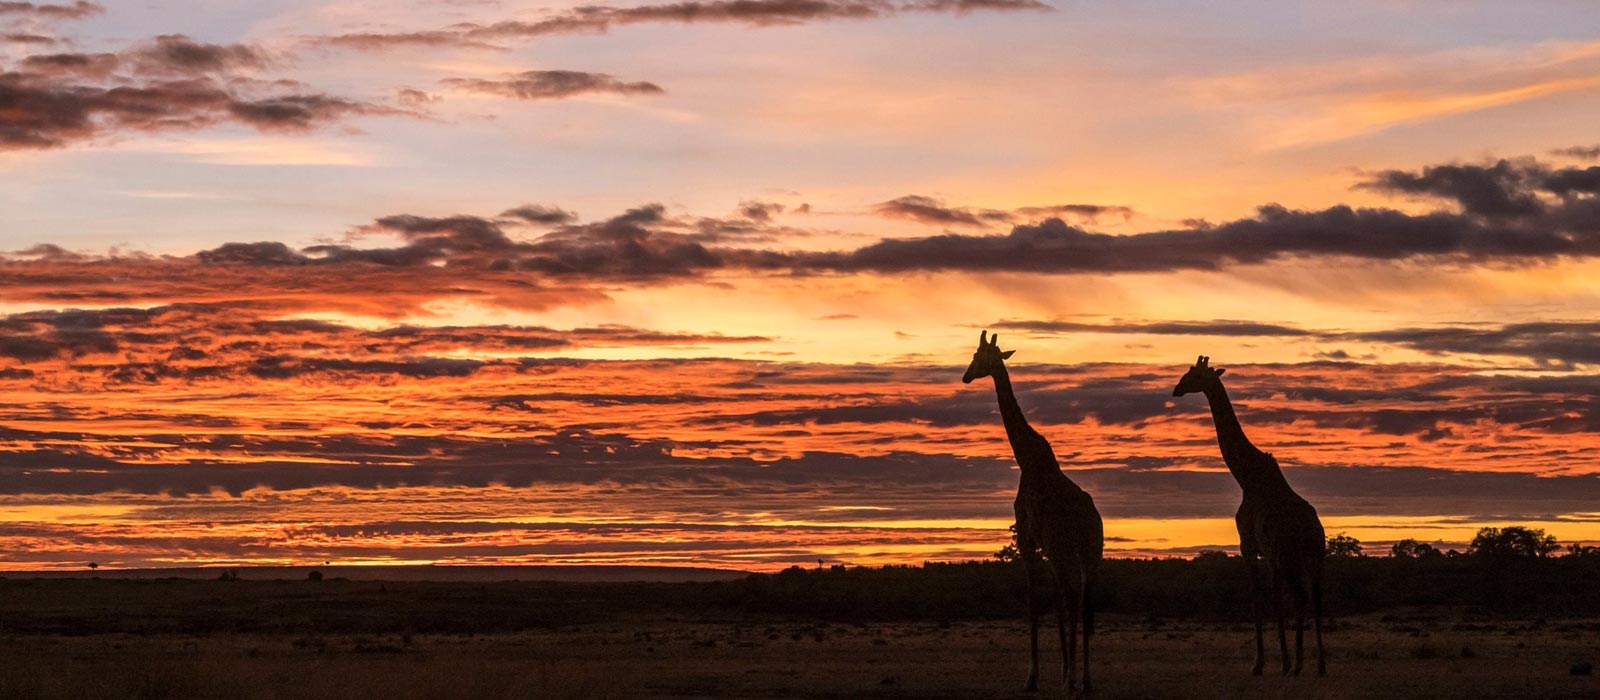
{"x": 924, "y": 633}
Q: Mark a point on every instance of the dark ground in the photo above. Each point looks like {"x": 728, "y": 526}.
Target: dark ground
{"x": 936, "y": 632}
{"x": 1416, "y": 658}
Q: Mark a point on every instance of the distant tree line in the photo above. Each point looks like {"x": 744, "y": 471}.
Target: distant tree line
{"x": 1514, "y": 541}
{"x": 1512, "y": 570}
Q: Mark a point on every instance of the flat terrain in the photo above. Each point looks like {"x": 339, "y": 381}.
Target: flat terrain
{"x": 350, "y": 640}
{"x": 676, "y": 659}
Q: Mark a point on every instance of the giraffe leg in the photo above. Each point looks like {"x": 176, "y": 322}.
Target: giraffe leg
{"x": 1087, "y": 603}
{"x": 1070, "y": 656}
{"x": 1316, "y": 610}
{"x": 1300, "y": 604}
{"x": 1066, "y": 622}
{"x": 1029, "y": 563}
{"x": 1255, "y": 607}
{"x": 1277, "y": 607}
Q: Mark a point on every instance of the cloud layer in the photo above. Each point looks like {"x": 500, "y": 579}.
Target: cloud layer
{"x": 543, "y": 256}
{"x": 467, "y": 443}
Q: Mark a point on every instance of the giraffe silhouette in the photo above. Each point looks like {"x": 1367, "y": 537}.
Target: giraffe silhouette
{"x": 1054, "y": 517}
{"x": 1276, "y": 525}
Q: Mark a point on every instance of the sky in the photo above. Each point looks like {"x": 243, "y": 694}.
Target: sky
{"x": 694, "y": 283}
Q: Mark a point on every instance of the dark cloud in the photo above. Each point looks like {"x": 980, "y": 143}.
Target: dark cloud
{"x": 1124, "y": 404}
{"x": 165, "y": 56}
{"x": 76, "y": 10}
{"x": 1275, "y": 233}
{"x": 411, "y": 97}
{"x": 1552, "y": 343}
{"x": 473, "y": 256}
{"x": 553, "y": 84}
{"x": 594, "y": 19}
{"x": 929, "y": 210}
{"x": 22, "y": 38}
{"x": 369, "y": 462}
{"x": 933, "y": 211}
{"x": 1590, "y": 152}
{"x": 199, "y": 341}
{"x": 975, "y": 5}
{"x": 172, "y": 83}
{"x": 1505, "y": 190}
{"x": 1342, "y": 490}
{"x": 1498, "y": 191}
{"x": 302, "y": 112}
{"x": 641, "y": 243}
{"x": 381, "y": 41}
{"x": 90, "y": 65}
{"x": 263, "y": 253}
{"x": 949, "y": 487}
{"x": 1572, "y": 182}
{"x": 50, "y": 115}
{"x": 1215, "y": 327}
{"x": 763, "y": 212}
{"x": 177, "y": 53}
{"x": 539, "y": 214}
{"x": 1087, "y": 212}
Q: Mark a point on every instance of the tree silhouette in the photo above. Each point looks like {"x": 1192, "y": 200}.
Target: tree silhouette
{"x": 1514, "y": 541}
{"x": 1342, "y": 546}
{"x": 1412, "y": 549}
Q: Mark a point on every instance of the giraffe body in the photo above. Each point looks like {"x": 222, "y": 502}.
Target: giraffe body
{"x": 1278, "y": 530}
{"x": 1055, "y": 519}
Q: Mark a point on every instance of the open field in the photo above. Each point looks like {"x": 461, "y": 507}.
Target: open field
{"x": 178, "y": 639}
{"x": 1432, "y": 658}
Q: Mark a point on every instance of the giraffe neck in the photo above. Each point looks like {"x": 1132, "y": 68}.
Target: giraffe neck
{"x": 1024, "y": 439}
{"x": 1243, "y": 459}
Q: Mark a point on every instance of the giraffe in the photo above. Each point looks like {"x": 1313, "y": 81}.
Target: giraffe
{"x": 1054, "y": 517}
{"x": 1276, "y": 525}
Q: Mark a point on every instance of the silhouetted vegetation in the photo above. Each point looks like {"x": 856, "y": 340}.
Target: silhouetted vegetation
{"x": 1342, "y": 546}
{"x": 1513, "y": 542}
{"x": 1412, "y": 549}
{"x": 1213, "y": 586}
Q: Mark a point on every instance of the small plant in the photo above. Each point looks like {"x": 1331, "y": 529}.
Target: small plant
{"x": 314, "y": 575}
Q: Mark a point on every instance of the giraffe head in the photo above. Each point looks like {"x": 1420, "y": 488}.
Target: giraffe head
{"x": 987, "y": 360}
{"x": 1199, "y": 378}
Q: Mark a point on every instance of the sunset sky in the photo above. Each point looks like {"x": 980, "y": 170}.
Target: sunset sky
{"x": 694, "y": 283}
